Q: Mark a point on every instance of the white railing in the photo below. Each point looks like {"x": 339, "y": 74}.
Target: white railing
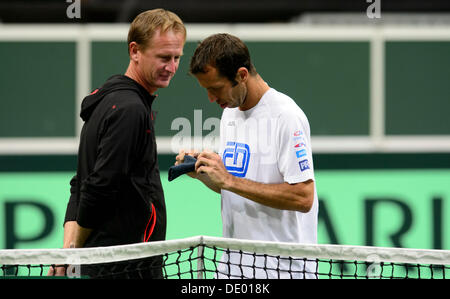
{"x": 376, "y": 141}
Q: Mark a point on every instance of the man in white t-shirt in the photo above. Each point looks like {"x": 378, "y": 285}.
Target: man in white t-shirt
{"x": 264, "y": 169}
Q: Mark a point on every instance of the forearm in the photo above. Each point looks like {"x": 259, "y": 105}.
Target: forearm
{"x": 75, "y": 235}
{"x": 283, "y": 196}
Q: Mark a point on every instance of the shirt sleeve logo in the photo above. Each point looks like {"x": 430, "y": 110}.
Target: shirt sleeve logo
{"x": 300, "y": 150}
{"x": 298, "y": 133}
{"x": 304, "y": 165}
{"x": 236, "y": 157}
{"x": 301, "y": 153}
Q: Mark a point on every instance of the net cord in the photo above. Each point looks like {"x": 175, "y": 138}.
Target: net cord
{"x": 141, "y": 250}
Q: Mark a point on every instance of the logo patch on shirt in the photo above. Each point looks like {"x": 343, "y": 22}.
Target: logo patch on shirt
{"x": 299, "y": 139}
{"x": 236, "y": 157}
{"x": 304, "y": 165}
{"x": 300, "y": 153}
{"x": 298, "y": 133}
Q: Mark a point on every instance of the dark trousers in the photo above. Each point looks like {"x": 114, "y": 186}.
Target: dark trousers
{"x": 146, "y": 268}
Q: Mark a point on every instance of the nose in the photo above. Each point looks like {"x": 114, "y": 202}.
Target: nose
{"x": 172, "y": 66}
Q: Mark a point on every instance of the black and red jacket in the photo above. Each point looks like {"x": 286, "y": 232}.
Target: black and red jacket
{"x": 117, "y": 190}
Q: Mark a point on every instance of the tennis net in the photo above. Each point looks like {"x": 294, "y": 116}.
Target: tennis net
{"x": 210, "y": 257}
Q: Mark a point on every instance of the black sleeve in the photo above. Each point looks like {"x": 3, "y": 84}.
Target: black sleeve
{"x": 118, "y": 145}
{"x": 72, "y": 206}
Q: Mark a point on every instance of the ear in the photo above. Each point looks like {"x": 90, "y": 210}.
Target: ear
{"x": 242, "y": 74}
{"x": 133, "y": 50}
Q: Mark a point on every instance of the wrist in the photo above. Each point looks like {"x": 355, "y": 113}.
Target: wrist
{"x": 229, "y": 183}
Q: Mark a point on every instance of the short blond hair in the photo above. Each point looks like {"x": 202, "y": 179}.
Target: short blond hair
{"x": 146, "y": 23}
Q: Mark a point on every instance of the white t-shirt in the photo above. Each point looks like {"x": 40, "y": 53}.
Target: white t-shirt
{"x": 269, "y": 143}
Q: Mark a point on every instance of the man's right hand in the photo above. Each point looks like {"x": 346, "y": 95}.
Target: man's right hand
{"x": 180, "y": 159}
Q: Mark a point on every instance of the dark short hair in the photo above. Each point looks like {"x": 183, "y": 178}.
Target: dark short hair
{"x": 223, "y": 51}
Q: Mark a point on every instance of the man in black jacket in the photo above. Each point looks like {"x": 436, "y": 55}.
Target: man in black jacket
{"x": 116, "y": 195}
